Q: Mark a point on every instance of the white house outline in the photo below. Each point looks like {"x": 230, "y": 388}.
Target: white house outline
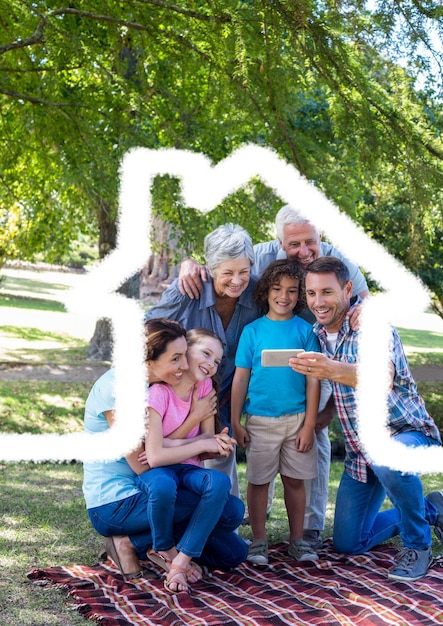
{"x": 204, "y": 186}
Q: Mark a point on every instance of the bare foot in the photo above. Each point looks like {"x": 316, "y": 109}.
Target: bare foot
{"x": 123, "y": 553}
{"x": 176, "y": 580}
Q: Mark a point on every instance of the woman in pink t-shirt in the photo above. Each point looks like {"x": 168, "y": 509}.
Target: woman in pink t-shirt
{"x": 176, "y": 462}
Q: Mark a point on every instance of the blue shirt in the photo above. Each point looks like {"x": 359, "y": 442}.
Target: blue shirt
{"x": 274, "y": 391}
{"x": 406, "y": 408}
{"x": 201, "y": 313}
{"x": 104, "y": 481}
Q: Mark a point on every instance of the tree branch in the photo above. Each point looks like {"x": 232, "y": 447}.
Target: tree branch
{"x": 34, "y": 100}
{"x": 223, "y": 18}
{"x": 36, "y": 38}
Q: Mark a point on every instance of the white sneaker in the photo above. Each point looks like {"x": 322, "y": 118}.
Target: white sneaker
{"x": 258, "y": 552}
{"x": 301, "y": 551}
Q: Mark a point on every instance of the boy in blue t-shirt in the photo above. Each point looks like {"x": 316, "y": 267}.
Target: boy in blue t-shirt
{"x": 281, "y": 408}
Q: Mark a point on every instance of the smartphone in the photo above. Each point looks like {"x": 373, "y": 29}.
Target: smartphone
{"x": 278, "y": 358}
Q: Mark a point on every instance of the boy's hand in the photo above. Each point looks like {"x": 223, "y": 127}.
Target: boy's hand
{"x": 241, "y": 435}
{"x": 305, "y": 439}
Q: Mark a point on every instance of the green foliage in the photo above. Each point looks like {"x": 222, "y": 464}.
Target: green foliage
{"x": 253, "y": 205}
{"x": 317, "y": 81}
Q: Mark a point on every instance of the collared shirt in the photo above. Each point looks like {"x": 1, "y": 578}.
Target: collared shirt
{"x": 265, "y": 253}
{"x": 406, "y": 409}
{"x": 201, "y": 313}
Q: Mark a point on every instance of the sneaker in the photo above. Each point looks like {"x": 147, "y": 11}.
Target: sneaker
{"x": 436, "y": 497}
{"x": 411, "y": 564}
{"x": 258, "y": 552}
{"x": 314, "y": 539}
{"x": 300, "y": 550}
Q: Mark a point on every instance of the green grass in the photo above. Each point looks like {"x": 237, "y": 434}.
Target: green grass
{"x": 19, "y": 283}
{"x": 422, "y": 347}
{"x": 59, "y": 348}
{"x": 38, "y": 304}
{"x": 42, "y": 407}
{"x": 35, "y": 334}
{"x": 43, "y": 523}
{"x": 432, "y": 393}
{"x": 42, "y": 511}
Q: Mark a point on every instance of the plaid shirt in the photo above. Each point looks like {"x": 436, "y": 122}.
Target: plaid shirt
{"x": 405, "y": 406}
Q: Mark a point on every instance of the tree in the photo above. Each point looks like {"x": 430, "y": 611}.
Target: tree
{"x": 320, "y": 81}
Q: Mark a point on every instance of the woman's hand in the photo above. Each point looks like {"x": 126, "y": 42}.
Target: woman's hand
{"x": 226, "y": 444}
{"x": 220, "y": 444}
{"x": 142, "y": 458}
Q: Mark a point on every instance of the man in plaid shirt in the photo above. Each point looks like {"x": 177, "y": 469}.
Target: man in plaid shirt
{"x": 359, "y": 524}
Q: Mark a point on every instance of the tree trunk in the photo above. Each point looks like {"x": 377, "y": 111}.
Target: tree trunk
{"x": 100, "y": 346}
{"x": 147, "y": 286}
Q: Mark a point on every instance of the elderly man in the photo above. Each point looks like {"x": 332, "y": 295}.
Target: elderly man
{"x": 359, "y": 524}
{"x": 298, "y": 239}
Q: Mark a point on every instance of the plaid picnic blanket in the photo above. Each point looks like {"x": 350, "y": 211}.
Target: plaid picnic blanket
{"x": 337, "y": 589}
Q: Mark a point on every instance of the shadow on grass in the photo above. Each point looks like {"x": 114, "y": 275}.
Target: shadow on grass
{"x": 44, "y": 523}
{"x": 38, "y": 304}
{"x": 15, "y": 283}
{"x": 42, "y": 407}
{"x": 423, "y": 347}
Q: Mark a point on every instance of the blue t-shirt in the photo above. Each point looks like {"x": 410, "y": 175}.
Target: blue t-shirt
{"x": 274, "y": 391}
{"x": 104, "y": 481}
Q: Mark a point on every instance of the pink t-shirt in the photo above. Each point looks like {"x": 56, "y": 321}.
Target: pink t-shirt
{"x": 174, "y": 410}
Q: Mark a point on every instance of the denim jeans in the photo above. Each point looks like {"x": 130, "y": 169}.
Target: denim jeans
{"x": 224, "y": 549}
{"x": 359, "y": 525}
{"x": 161, "y": 484}
{"x": 317, "y": 489}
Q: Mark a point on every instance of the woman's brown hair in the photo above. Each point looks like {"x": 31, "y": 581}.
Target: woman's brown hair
{"x": 159, "y": 332}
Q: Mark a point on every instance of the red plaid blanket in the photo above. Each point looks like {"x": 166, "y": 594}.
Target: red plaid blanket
{"x": 337, "y": 589}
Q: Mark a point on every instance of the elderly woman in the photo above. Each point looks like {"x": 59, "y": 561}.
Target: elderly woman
{"x": 226, "y": 305}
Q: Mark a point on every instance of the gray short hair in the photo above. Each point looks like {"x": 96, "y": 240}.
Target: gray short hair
{"x": 229, "y": 241}
{"x": 290, "y": 215}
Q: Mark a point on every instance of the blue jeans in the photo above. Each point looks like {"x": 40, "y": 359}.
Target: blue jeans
{"x": 359, "y": 525}
{"x": 161, "y": 484}
{"x": 224, "y": 549}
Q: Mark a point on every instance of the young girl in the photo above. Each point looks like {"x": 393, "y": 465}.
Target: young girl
{"x": 281, "y": 408}
{"x": 175, "y": 462}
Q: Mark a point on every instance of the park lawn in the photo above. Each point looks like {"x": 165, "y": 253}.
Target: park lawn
{"x": 43, "y": 517}
{"x": 26, "y": 344}
{"x": 44, "y": 523}
{"x": 422, "y": 347}
{"x": 42, "y": 407}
